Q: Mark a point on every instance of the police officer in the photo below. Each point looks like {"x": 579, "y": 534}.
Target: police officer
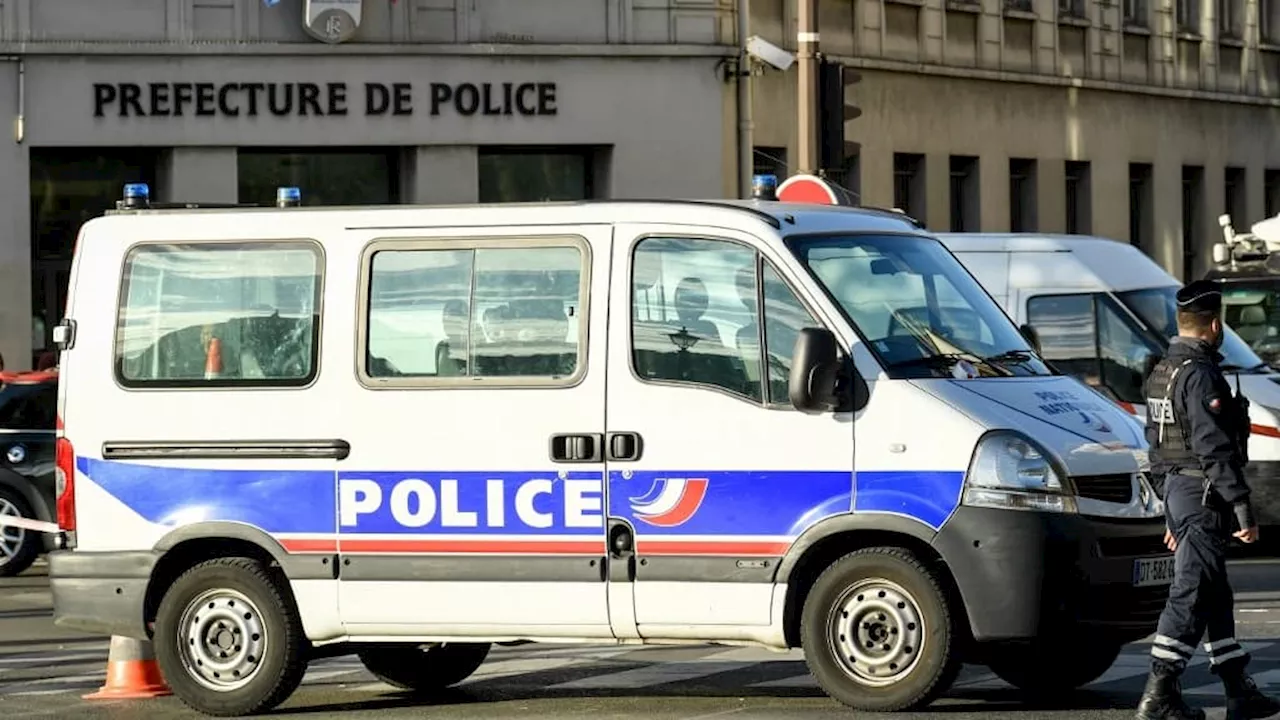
{"x": 1196, "y": 430}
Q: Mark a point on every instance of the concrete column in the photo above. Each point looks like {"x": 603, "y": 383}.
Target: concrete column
{"x": 442, "y": 175}
{"x": 1051, "y": 195}
{"x": 1109, "y": 185}
{"x": 1215, "y": 204}
{"x": 877, "y": 174}
{"x": 993, "y": 193}
{"x": 937, "y": 193}
{"x": 1166, "y": 210}
{"x": 198, "y": 174}
{"x": 15, "y": 237}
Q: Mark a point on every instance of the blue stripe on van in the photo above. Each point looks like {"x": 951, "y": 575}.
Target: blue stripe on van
{"x": 659, "y": 504}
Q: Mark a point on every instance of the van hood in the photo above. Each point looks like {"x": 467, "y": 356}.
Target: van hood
{"x": 1088, "y": 433}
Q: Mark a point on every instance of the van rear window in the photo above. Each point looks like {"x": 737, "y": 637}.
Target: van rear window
{"x": 219, "y": 315}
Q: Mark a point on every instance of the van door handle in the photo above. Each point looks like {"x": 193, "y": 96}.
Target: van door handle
{"x": 625, "y": 446}
{"x": 577, "y": 448}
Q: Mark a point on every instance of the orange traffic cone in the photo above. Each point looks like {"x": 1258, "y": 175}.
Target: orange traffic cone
{"x": 132, "y": 672}
{"x": 213, "y": 360}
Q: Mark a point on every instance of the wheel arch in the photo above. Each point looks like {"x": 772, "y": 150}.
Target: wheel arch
{"x": 190, "y": 545}
{"x": 829, "y": 540}
{"x": 27, "y": 489}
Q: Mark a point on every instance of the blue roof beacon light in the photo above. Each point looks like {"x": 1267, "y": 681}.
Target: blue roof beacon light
{"x": 764, "y": 187}
{"x": 136, "y": 195}
{"x": 288, "y": 197}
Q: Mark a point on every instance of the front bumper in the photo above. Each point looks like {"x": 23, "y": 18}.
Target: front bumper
{"x": 101, "y": 592}
{"x": 1024, "y": 574}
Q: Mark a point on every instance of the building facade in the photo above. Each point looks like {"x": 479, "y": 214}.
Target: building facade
{"x": 431, "y": 101}
{"x": 1137, "y": 120}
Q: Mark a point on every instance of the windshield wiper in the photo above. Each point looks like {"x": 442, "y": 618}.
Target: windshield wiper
{"x": 1011, "y": 356}
{"x": 942, "y": 361}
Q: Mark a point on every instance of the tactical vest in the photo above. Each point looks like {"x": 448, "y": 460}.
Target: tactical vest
{"x": 1172, "y": 447}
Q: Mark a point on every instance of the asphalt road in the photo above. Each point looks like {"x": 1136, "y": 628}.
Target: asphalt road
{"x": 45, "y": 670}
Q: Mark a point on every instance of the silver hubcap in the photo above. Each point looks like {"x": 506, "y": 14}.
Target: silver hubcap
{"x": 222, "y": 639}
{"x": 876, "y": 630}
{"x": 11, "y": 538}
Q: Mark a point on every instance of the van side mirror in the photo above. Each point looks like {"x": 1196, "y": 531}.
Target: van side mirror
{"x": 815, "y": 369}
{"x": 1032, "y": 337}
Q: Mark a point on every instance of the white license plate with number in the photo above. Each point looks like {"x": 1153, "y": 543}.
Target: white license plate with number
{"x": 1153, "y": 571}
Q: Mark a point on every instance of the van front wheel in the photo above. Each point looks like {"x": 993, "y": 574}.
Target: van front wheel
{"x": 227, "y": 640}
{"x": 424, "y": 668}
{"x": 878, "y": 633}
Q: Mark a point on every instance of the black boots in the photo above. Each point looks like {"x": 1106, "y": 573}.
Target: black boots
{"x": 1244, "y": 700}
{"x": 1162, "y": 698}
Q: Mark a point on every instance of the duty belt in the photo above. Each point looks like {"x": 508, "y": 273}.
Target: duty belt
{"x": 1189, "y": 472}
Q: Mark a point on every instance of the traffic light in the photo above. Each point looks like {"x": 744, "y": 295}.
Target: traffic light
{"x": 834, "y": 110}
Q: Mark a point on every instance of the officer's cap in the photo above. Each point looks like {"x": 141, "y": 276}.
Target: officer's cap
{"x": 1203, "y": 296}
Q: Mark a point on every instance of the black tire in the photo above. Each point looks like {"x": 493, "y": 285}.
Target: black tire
{"x": 283, "y": 646}
{"x": 920, "y": 633}
{"x": 424, "y": 670}
{"x": 1054, "y": 668}
{"x": 28, "y": 548}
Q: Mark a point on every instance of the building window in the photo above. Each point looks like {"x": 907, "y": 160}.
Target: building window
{"x": 1234, "y": 195}
{"x": 1071, "y": 8}
{"x": 1269, "y": 21}
{"x": 217, "y": 315}
{"x": 69, "y": 187}
{"x": 1020, "y": 5}
{"x": 1022, "y": 195}
{"x": 1188, "y": 18}
{"x": 908, "y": 184}
{"x": 1079, "y": 197}
{"x": 326, "y": 177}
{"x": 770, "y": 161}
{"x": 1135, "y": 13}
{"x": 964, "y": 193}
{"x": 1192, "y": 217}
{"x": 1271, "y": 192}
{"x": 514, "y": 314}
{"x": 1230, "y": 19}
{"x": 1140, "y": 219}
{"x": 535, "y": 174}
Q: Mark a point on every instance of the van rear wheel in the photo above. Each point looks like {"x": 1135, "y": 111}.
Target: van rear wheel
{"x": 227, "y": 640}
{"x": 878, "y": 633}
{"x": 424, "y": 668}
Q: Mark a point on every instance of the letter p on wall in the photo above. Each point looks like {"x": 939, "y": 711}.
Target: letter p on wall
{"x": 356, "y": 498}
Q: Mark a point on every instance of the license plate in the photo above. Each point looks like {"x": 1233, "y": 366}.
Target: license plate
{"x": 1153, "y": 571}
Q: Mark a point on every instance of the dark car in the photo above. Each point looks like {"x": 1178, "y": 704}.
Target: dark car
{"x": 28, "y": 416}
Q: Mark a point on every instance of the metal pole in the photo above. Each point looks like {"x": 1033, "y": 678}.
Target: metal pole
{"x": 806, "y": 58}
{"x": 746, "y": 143}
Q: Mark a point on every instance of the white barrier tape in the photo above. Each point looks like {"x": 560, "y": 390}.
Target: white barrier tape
{"x": 29, "y": 524}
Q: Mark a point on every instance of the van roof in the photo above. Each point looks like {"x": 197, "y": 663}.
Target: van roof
{"x": 1086, "y": 261}
{"x": 787, "y": 218}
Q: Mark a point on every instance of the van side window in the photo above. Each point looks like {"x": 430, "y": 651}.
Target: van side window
{"x": 219, "y": 314}
{"x": 477, "y": 312}
{"x": 1068, "y": 334}
{"x": 1088, "y": 336}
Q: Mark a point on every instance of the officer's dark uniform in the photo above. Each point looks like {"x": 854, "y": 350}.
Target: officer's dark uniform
{"x": 1197, "y": 431}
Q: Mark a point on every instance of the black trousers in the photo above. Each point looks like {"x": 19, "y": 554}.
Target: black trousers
{"x": 1200, "y": 598}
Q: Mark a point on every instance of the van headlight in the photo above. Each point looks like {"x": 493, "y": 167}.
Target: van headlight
{"x": 1010, "y": 472}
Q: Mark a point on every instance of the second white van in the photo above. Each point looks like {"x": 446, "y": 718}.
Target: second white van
{"x": 1104, "y": 311}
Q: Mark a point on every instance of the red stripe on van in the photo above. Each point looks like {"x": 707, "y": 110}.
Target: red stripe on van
{"x": 485, "y": 547}
{"x": 733, "y": 548}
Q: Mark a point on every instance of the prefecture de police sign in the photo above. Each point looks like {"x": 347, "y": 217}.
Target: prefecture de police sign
{"x": 501, "y": 503}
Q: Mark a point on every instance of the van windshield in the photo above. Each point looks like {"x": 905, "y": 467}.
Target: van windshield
{"x": 1158, "y": 308}
{"x": 920, "y": 311}
{"x": 1253, "y": 311}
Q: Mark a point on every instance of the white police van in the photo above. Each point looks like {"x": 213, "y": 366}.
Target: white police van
{"x": 412, "y": 432}
{"x": 1103, "y": 311}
